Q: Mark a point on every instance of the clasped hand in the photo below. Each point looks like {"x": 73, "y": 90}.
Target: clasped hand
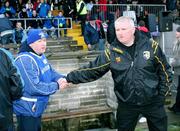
{"x": 63, "y": 83}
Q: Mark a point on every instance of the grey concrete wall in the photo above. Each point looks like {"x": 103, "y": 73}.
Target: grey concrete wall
{"x": 81, "y": 96}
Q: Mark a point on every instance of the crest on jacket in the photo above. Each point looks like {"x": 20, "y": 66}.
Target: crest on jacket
{"x": 118, "y": 59}
{"x": 146, "y": 55}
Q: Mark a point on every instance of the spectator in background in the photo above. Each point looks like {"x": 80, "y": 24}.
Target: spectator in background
{"x": 103, "y": 9}
{"x": 23, "y": 13}
{"x": 111, "y": 34}
{"x": 60, "y": 22}
{"x": 94, "y": 35}
{"x": 43, "y": 9}
{"x": 40, "y": 79}
{"x": 143, "y": 28}
{"x": 171, "y": 4}
{"x": 8, "y": 8}
{"x": 29, "y": 9}
{"x": 89, "y": 7}
{"x": 36, "y": 4}
{"x": 48, "y": 25}
{"x": 176, "y": 65}
{"x": 6, "y": 30}
{"x": 101, "y": 33}
{"x": 67, "y": 11}
{"x": 11, "y": 88}
{"x": 35, "y": 23}
{"x": 81, "y": 13}
{"x": 20, "y": 34}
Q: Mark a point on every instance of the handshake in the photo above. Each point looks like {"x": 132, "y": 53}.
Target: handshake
{"x": 62, "y": 82}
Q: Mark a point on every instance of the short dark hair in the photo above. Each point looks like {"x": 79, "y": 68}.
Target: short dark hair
{"x": 178, "y": 29}
{"x": 141, "y": 23}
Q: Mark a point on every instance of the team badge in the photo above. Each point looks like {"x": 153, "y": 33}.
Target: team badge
{"x": 146, "y": 55}
{"x": 45, "y": 61}
{"x": 42, "y": 35}
{"x": 118, "y": 59}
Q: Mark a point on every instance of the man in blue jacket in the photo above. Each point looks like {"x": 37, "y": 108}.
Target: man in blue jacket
{"x": 94, "y": 35}
{"x": 40, "y": 81}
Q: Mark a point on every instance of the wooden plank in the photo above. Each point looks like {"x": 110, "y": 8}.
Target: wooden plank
{"x": 75, "y": 114}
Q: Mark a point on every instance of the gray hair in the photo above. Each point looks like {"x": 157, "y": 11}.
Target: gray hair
{"x": 125, "y": 19}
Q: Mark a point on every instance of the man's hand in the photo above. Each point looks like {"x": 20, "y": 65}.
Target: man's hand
{"x": 89, "y": 46}
{"x": 62, "y": 83}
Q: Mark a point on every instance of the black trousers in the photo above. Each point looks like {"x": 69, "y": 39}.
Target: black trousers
{"x": 127, "y": 117}
{"x": 82, "y": 18}
{"x": 28, "y": 123}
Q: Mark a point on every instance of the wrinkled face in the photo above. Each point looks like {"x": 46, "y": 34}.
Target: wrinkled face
{"x": 124, "y": 32}
{"x": 39, "y": 46}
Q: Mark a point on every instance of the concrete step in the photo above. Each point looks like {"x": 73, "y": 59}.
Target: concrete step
{"x": 60, "y": 55}
{"x": 62, "y": 42}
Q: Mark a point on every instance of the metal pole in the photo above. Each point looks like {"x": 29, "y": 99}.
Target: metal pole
{"x": 163, "y": 42}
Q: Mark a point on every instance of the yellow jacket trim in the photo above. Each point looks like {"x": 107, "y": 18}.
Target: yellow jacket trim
{"x": 94, "y": 67}
{"x": 118, "y": 50}
{"x": 107, "y": 53}
{"x": 154, "y": 46}
{"x": 164, "y": 72}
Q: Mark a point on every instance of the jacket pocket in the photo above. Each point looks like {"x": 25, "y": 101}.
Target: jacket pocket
{"x": 40, "y": 106}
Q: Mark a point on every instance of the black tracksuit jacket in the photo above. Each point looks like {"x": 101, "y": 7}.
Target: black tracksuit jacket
{"x": 141, "y": 80}
{"x": 10, "y": 89}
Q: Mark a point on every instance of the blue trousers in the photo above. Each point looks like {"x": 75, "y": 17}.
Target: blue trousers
{"x": 29, "y": 123}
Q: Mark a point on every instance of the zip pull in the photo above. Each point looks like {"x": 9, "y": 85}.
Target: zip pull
{"x": 132, "y": 63}
{"x": 34, "y": 107}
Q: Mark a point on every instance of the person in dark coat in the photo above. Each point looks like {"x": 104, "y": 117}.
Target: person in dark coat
{"x": 111, "y": 35}
{"x": 141, "y": 76}
{"x": 11, "y": 88}
{"x": 94, "y": 35}
{"x": 6, "y": 30}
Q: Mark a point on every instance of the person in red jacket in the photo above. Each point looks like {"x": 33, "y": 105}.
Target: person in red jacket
{"x": 143, "y": 28}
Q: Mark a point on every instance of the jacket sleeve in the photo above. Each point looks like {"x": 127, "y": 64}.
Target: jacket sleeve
{"x": 86, "y": 35}
{"x": 30, "y": 73}
{"x": 102, "y": 31}
{"x": 15, "y": 81}
{"x": 55, "y": 75}
{"x": 91, "y": 72}
{"x": 163, "y": 70}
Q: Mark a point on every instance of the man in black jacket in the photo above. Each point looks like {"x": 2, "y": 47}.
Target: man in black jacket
{"x": 10, "y": 89}
{"x": 141, "y": 76}
{"x": 6, "y": 30}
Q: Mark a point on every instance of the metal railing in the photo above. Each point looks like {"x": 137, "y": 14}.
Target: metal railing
{"x": 26, "y": 22}
{"x": 102, "y": 11}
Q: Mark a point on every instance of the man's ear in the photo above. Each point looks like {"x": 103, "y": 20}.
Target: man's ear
{"x": 133, "y": 30}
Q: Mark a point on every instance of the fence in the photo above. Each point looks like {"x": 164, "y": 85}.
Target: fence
{"x": 102, "y": 11}
{"x": 27, "y": 22}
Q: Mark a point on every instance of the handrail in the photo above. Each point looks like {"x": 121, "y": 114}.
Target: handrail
{"x": 30, "y": 19}
{"x": 101, "y": 11}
